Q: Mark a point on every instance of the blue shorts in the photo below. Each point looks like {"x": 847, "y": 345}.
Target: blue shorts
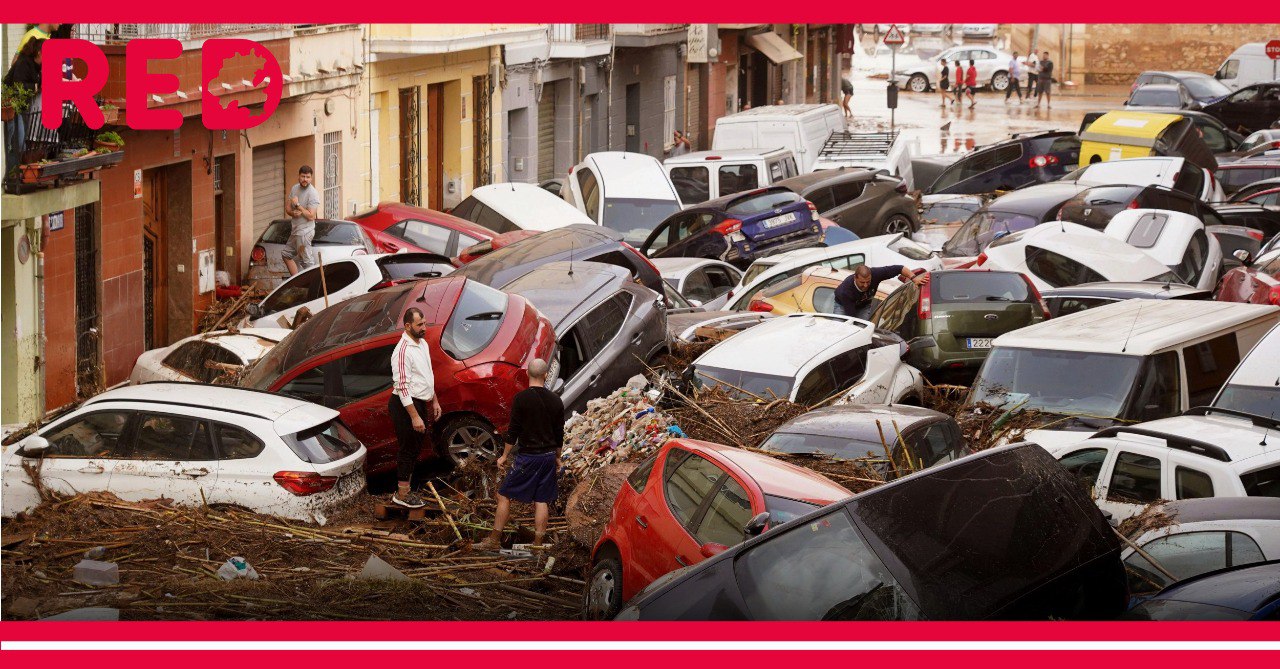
{"x": 532, "y": 479}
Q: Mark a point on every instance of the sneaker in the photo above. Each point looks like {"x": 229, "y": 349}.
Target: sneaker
{"x": 410, "y": 501}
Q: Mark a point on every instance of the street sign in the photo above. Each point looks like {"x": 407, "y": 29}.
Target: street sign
{"x": 1273, "y": 49}
{"x": 894, "y": 37}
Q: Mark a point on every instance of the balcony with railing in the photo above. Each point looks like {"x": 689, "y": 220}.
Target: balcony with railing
{"x": 648, "y": 34}
{"x": 188, "y": 33}
{"x": 579, "y": 32}
{"x": 45, "y": 158}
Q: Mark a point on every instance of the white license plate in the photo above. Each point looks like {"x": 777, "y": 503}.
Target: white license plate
{"x": 982, "y": 342}
{"x": 779, "y": 221}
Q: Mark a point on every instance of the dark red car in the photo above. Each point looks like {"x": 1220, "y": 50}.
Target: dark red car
{"x": 688, "y": 502}
{"x": 394, "y": 226}
{"x": 481, "y": 341}
{"x": 489, "y": 246}
{"x": 1256, "y": 283}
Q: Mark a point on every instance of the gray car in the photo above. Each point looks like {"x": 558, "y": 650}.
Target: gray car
{"x": 608, "y": 327}
{"x": 333, "y": 240}
{"x": 1063, "y": 301}
{"x": 866, "y": 202}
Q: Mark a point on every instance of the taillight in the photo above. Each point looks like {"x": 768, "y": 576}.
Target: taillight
{"x": 901, "y": 187}
{"x": 1274, "y": 297}
{"x": 304, "y": 483}
{"x": 258, "y": 254}
{"x": 1256, "y": 234}
{"x": 1043, "y": 161}
{"x": 759, "y": 305}
{"x": 1132, "y": 205}
{"x": 730, "y": 225}
{"x": 1044, "y": 306}
{"x": 812, "y": 207}
{"x": 982, "y": 258}
{"x": 924, "y": 308}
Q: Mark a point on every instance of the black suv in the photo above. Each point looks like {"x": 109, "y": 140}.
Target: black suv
{"x": 1022, "y": 160}
{"x": 1095, "y": 207}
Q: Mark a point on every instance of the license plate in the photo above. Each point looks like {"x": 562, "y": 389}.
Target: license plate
{"x": 980, "y": 342}
{"x": 779, "y": 221}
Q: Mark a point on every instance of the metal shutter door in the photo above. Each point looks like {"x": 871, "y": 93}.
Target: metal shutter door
{"x": 547, "y": 132}
{"x": 268, "y": 186}
{"x": 693, "y": 106}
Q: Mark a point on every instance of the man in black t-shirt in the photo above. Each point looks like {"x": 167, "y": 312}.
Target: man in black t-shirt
{"x": 1046, "y": 82}
{"x": 537, "y": 428}
{"x": 854, "y": 295}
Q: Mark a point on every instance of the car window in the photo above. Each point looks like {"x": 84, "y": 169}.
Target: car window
{"x": 688, "y": 484}
{"x": 1190, "y": 179}
{"x": 1191, "y": 484}
{"x": 842, "y": 578}
{"x": 190, "y": 358}
{"x": 235, "y": 443}
{"x": 1146, "y": 232}
{"x": 337, "y": 233}
{"x": 1213, "y": 137}
{"x": 935, "y": 444}
{"x": 697, "y": 286}
{"x": 604, "y": 322}
{"x": 1208, "y": 365}
{"x": 1061, "y": 306}
{"x": 488, "y": 217}
{"x": 337, "y": 276}
{"x": 1086, "y": 465}
{"x": 777, "y": 172}
{"x": 692, "y": 183}
{"x": 295, "y": 291}
{"x": 1159, "y": 388}
{"x": 976, "y": 164}
{"x": 848, "y": 191}
{"x": 824, "y": 300}
{"x": 93, "y": 435}
{"x": 737, "y": 178}
{"x": 822, "y": 199}
{"x": 278, "y": 232}
{"x": 1244, "y": 94}
{"x": 464, "y": 208}
{"x": 759, "y": 203}
{"x": 474, "y": 322}
{"x": 818, "y": 385}
{"x": 1262, "y": 482}
{"x": 1195, "y": 258}
{"x": 1058, "y": 270}
{"x": 324, "y": 443}
{"x": 639, "y": 476}
{"x": 688, "y": 226}
{"x": 1229, "y": 70}
{"x": 433, "y": 238}
{"x": 979, "y": 287}
{"x": 1135, "y": 479}
{"x": 1183, "y": 555}
{"x": 407, "y": 266}
{"x": 722, "y": 279}
{"x": 726, "y": 516}
{"x": 339, "y": 382}
{"x": 466, "y": 241}
{"x": 898, "y": 311}
{"x": 169, "y": 437}
{"x": 590, "y": 193}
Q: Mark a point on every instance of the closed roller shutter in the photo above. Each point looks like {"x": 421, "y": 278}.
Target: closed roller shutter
{"x": 268, "y": 186}
{"x": 547, "y": 132}
{"x": 693, "y": 108}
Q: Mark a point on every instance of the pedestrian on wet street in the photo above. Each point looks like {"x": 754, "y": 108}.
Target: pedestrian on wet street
{"x": 944, "y": 83}
{"x": 854, "y": 295}
{"x": 414, "y": 385}
{"x": 1033, "y": 73}
{"x": 1015, "y": 75}
{"x": 958, "y": 87}
{"x": 971, "y": 83}
{"x": 1046, "y": 82}
{"x": 846, "y": 93}
{"x": 537, "y": 431}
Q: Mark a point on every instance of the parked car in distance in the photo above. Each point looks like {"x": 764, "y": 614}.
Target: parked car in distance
{"x": 490, "y": 245}
{"x": 950, "y": 322}
{"x": 507, "y": 207}
{"x": 1248, "y": 64}
{"x": 625, "y": 192}
{"x": 860, "y": 200}
{"x": 481, "y": 343}
{"x": 194, "y": 445}
{"x": 1170, "y": 172}
{"x": 188, "y": 359}
{"x": 690, "y": 501}
{"x": 401, "y": 227}
{"x": 1069, "y": 300}
{"x": 1012, "y": 212}
{"x": 978, "y": 30}
{"x": 1203, "y": 88}
{"x": 852, "y": 431}
{"x": 1007, "y": 526}
{"x": 921, "y": 75}
{"x": 1235, "y": 176}
{"x": 333, "y": 240}
{"x": 1254, "y": 386}
{"x": 738, "y": 228}
{"x": 1178, "y": 240}
{"x": 808, "y": 358}
{"x": 886, "y": 152}
{"x": 1059, "y": 254}
{"x": 803, "y": 129}
{"x": 1250, "y": 108}
{"x": 1022, "y": 160}
{"x": 1253, "y": 188}
{"x": 709, "y": 175}
{"x": 320, "y": 287}
{"x": 1174, "y": 96}
{"x": 1233, "y": 238}
{"x": 1256, "y": 281}
{"x": 1220, "y": 139}
{"x": 704, "y": 282}
{"x": 1249, "y": 592}
{"x": 608, "y": 327}
{"x": 1206, "y": 534}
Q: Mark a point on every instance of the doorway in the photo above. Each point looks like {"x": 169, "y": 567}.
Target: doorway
{"x": 633, "y": 118}
{"x": 224, "y": 217}
{"x": 154, "y": 206}
{"x": 89, "y": 376}
{"x": 435, "y": 144}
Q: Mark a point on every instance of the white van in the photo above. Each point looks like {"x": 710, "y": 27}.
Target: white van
{"x": 1125, "y": 362}
{"x": 517, "y": 206}
{"x": 706, "y": 175}
{"x": 802, "y": 128}
{"x": 1246, "y": 66}
{"x": 1254, "y": 387}
{"x": 626, "y": 192}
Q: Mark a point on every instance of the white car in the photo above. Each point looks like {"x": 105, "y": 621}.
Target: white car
{"x": 333, "y": 240}
{"x": 809, "y": 358}
{"x": 193, "y": 445}
{"x": 340, "y": 281}
{"x": 702, "y": 281}
{"x": 187, "y": 359}
{"x": 978, "y": 30}
{"x": 1254, "y": 386}
{"x": 1059, "y": 254}
{"x": 922, "y": 75}
{"x": 507, "y": 207}
{"x": 626, "y": 192}
{"x": 1177, "y": 240}
{"x": 894, "y": 249}
{"x": 1217, "y": 454}
{"x": 1176, "y": 173}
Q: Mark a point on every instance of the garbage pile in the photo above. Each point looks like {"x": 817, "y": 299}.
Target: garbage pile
{"x": 624, "y": 426}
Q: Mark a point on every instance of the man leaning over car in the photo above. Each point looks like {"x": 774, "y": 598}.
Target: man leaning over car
{"x": 854, "y": 295}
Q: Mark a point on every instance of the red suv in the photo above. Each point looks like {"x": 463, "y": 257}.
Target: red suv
{"x": 688, "y": 502}
{"x": 481, "y": 341}
{"x": 394, "y": 227}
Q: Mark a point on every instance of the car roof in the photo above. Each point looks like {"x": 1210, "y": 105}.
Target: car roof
{"x": 529, "y": 205}
{"x": 806, "y": 255}
{"x": 775, "y": 477}
{"x": 781, "y": 111}
{"x": 1125, "y": 290}
{"x": 399, "y": 211}
{"x": 678, "y": 268}
{"x": 1135, "y": 327}
{"x": 246, "y": 343}
{"x": 1113, "y": 172}
{"x": 1159, "y": 87}
{"x": 1237, "y": 437}
{"x": 631, "y": 175}
{"x": 1247, "y": 588}
{"x": 1259, "y": 367}
{"x": 289, "y": 414}
{"x": 784, "y": 346}
{"x": 1036, "y": 199}
{"x": 724, "y": 202}
{"x": 504, "y": 264}
{"x": 858, "y": 421}
{"x": 1075, "y": 241}
{"x": 723, "y": 155}
{"x": 1171, "y": 240}
{"x": 1205, "y": 509}
{"x": 842, "y": 174}
{"x": 558, "y": 288}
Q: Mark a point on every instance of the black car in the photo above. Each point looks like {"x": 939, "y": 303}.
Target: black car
{"x": 1007, "y": 214}
{"x": 1068, "y": 300}
{"x": 1249, "y": 592}
{"x": 1219, "y": 138}
{"x": 579, "y": 241}
{"x": 1022, "y": 160}
{"x": 867, "y": 202}
{"x": 1247, "y": 215}
{"x": 1096, "y": 206}
{"x": 1236, "y": 176}
{"x": 1006, "y": 533}
{"x": 1247, "y": 191}
{"x": 1251, "y": 108}
{"x": 1164, "y": 96}
{"x": 850, "y": 431}
{"x": 1202, "y": 88}
{"x": 738, "y": 228}
{"x": 1234, "y": 238}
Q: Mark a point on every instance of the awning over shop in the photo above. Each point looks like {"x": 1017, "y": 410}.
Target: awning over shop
{"x": 773, "y": 47}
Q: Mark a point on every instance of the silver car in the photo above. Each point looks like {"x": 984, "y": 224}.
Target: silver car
{"x": 704, "y": 282}
{"x": 992, "y": 64}
{"x": 333, "y": 240}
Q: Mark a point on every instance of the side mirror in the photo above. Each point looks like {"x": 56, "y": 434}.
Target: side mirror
{"x": 757, "y": 524}
{"x": 696, "y": 303}
{"x": 1242, "y": 255}
{"x": 34, "y": 446}
{"x": 713, "y": 549}
{"x": 557, "y": 386}
{"x": 254, "y": 310}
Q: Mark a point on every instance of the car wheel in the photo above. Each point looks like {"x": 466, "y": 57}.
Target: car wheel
{"x": 918, "y": 83}
{"x": 467, "y": 437}
{"x": 1000, "y": 81}
{"x": 603, "y": 597}
{"x": 896, "y": 223}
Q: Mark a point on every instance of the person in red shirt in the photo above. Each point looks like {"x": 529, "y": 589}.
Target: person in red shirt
{"x": 971, "y": 82}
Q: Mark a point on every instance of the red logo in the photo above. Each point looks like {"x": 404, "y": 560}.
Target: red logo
{"x": 219, "y": 112}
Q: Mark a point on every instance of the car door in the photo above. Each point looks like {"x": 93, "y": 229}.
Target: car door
{"x": 987, "y": 65}
{"x": 593, "y": 359}
{"x": 171, "y": 455}
{"x": 665, "y": 518}
{"x": 1235, "y": 110}
{"x": 84, "y": 452}
{"x": 721, "y": 279}
{"x": 1087, "y": 464}
{"x": 1134, "y": 479}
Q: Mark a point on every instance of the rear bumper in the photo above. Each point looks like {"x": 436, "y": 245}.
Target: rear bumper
{"x": 748, "y": 250}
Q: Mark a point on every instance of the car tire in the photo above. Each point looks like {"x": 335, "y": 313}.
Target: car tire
{"x": 918, "y": 83}
{"x": 897, "y": 223}
{"x": 465, "y": 437}
{"x": 602, "y": 598}
{"x": 1000, "y": 81}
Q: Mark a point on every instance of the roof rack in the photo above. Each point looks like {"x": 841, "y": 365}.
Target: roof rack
{"x": 1171, "y": 440}
{"x": 1258, "y": 421}
{"x": 850, "y": 144}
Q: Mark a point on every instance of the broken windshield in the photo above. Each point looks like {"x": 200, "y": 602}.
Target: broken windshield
{"x": 1064, "y": 382}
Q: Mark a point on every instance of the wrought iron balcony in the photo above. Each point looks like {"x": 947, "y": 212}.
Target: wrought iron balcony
{"x": 579, "y": 32}
{"x": 44, "y": 157}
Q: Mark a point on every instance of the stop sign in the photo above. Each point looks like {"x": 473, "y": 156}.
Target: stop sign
{"x": 1273, "y": 49}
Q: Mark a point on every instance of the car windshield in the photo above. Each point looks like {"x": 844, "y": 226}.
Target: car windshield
{"x": 324, "y": 443}
{"x": 742, "y": 383}
{"x": 1205, "y": 87}
{"x": 982, "y": 228}
{"x": 762, "y": 202}
{"x": 1159, "y": 97}
{"x": 784, "y": 510}
{"x": 821, "y": 444}
{"x": 1094, "y": 385}
{"x": 328, "y": 233}
{"x": 946, "y": 212}
{"x": 635, "y": 218}
{"x": 475, "y": 320}
{"x": 1257, "y": 400}
{"x": 756, "y": 269}
{"x": 979, "y": 287}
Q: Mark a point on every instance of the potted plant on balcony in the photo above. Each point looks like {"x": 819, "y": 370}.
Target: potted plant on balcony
{"x": 17, "y": 98}
{"x": 110, "y": 112}
{"x": 109, "y": 141}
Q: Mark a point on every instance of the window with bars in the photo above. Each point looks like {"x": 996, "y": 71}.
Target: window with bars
{"x": 668, "y": 110}
{"x": 333, "y": 174}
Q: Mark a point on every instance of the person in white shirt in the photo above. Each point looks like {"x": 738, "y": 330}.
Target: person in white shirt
{"x": 413, "y": 388}
{"x": 1015, "y": 75}
{"x": 1033, "y": 72}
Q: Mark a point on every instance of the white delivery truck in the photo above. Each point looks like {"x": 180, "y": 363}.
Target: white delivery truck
{"x": 803, "y": 129}
{"x": 1248, "y": 65}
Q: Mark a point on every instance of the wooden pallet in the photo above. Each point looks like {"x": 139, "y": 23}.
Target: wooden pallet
{"x": 386, "y": 511}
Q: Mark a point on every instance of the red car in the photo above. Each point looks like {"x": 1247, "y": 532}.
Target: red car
{"x": 481, "y": 341}
{"x": 1257, "y": 283}
{"x": 394, "y": 226}
{"x": 688, "y": 502}
{"x": 486, "y": 247}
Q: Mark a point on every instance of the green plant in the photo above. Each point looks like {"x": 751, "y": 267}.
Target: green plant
{"x": 111, "y": 137}
{"x": 107, "y": 106}
{"x": 18, "y": 96}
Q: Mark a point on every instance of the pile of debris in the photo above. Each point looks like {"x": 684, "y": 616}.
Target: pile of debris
{"x": 984, "y": 425}
{"x": 625, "y": 426}
{"x": 229, "y": 312}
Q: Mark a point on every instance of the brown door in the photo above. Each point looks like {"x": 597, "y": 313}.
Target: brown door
{"x": 410, "y": 157}
{"x": 155, "y": 308}
{"x": 435, "y": 140}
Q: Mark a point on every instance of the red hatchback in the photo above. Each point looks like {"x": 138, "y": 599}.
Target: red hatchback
{"x": 394, "y": 227}
{"x": 1258, "y": 283}
{"x": 481, "y": 341}
{"x": 688, "y": 502}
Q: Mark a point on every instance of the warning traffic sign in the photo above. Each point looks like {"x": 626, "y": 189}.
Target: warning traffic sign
{"x": 894, "y": 37}
{"x": 1273, "y": 49}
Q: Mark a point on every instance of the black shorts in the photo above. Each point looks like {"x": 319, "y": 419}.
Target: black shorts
{"x": 532, "y": 479}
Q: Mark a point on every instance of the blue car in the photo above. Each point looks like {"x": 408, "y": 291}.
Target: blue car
{"x": 1250, "y": 592}
{"x": 738, "y": 228}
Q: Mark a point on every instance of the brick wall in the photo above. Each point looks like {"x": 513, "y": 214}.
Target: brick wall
{"x": 60, "y": 313}
{"x": 1116, "y": 53}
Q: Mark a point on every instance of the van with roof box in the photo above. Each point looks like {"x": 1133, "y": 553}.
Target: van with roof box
{"x": 707, "y": 175}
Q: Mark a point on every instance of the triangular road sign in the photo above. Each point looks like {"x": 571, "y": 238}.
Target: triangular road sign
{"x": 894, "y": 37}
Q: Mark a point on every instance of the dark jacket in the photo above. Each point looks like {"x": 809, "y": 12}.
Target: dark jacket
{"x": 851, "y": 299}
{"x": 25, "y": 71}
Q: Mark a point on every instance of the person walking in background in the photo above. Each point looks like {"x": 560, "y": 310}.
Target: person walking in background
{"x": 1046, "y": 82}
{"x": 414, "y": 388}
{"x": 26, "y": 72}
{"x": 304, "y": 209}
{"x": 958, "y": 86}
{"x": 971, "y": 83}
{"x": 944, "y": 82}
{"x": 1015, "y": 76}
{"x": 1033, "y": 72}
{"x": 846, "y": 95}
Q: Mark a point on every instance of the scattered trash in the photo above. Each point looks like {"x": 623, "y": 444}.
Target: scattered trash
{"x": 95, "y": 553}
{"x": 620, "y": 427}
{"x": 93, "y": 572}
{"x": 237, "y": 567}
{"x": 375, "y": 568}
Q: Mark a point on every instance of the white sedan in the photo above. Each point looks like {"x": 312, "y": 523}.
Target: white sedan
{"x": 203, "y": 358}
{"x": 269, "y": 453}
{"x": 704, "y": 282}
{"x": 1171, "y": 172}
{"x": 1059, "y": 254}
{"x": 922, "y": 75}
{"x": 1176, "y": 239}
